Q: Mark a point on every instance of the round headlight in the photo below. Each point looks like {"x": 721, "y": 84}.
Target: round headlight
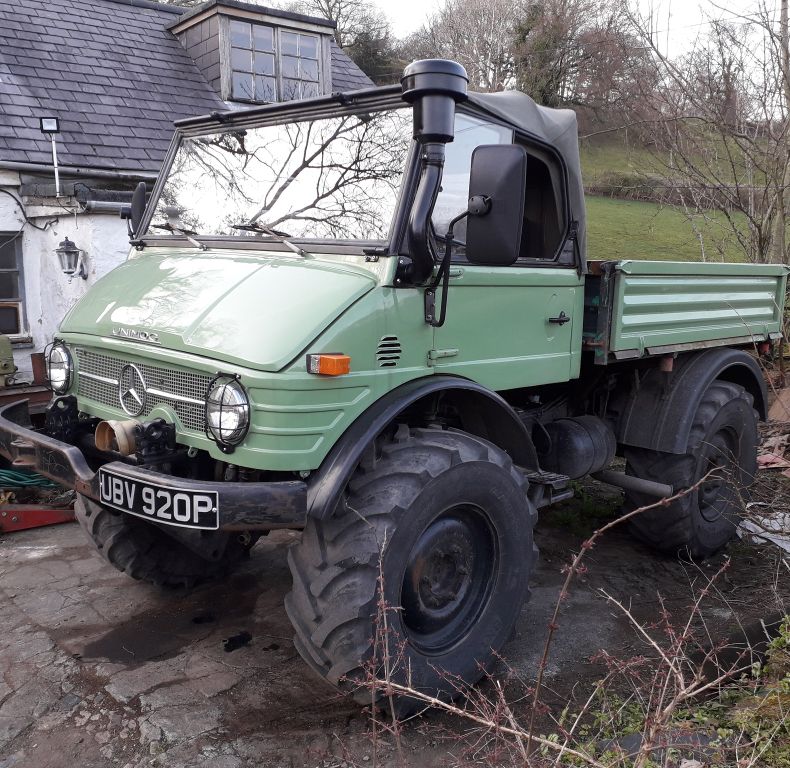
{"x": 59, "y": 368}
{"x": 227, "y": 411}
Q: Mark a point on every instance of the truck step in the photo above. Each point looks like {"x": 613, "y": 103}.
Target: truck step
{"x": 547, "y": 487}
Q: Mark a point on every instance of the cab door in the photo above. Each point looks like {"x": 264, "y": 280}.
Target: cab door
{"x": 510, "y": 327}
{"x": 515, "y": 326}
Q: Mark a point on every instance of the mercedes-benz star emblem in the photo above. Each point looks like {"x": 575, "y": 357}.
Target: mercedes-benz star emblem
{"x": 131, "y": 390}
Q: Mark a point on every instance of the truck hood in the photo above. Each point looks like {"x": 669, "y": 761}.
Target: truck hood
{"x": 258, "y": 311}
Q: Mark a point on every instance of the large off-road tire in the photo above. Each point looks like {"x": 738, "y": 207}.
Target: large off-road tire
{"x": 145, "y": 552}
{"x": 723, "y": 435}
{"x": 442, "y": 520}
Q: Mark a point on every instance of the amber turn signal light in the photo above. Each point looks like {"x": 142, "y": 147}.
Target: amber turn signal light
{"x": 330, "y": 364}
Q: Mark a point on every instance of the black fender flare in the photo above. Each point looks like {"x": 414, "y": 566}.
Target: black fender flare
{"x": 484, "y": 414}
{"x": 658, "y": 415}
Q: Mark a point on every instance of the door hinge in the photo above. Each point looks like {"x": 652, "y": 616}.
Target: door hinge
{"x": 438, "y": 354}
{"x": 430, "y": 306}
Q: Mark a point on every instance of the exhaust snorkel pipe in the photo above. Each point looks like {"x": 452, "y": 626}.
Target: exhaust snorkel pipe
{"x": 433, "y": 86}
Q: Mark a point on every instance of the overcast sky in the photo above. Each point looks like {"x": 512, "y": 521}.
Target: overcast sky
{"x": 679, "y": 20}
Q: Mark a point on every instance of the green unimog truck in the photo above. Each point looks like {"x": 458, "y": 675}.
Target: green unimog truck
{"x": 369, "y": 317}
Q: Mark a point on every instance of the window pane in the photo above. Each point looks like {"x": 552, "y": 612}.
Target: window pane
{"x": 290, "y": 90}
{"x": 309, "y": 90}
{"x": 263, "y": 38}
{"x": 289, "y": 43}
{"x": 265, "y": 89}
{"x": 470, "y": 132}
{"x": 241, "y": 59}
{"x": 9, "y": 285}
{"x": 9, "y": 320}
{"x": 290, "y": 66}
{"x": 240, "y": 34}
{"x": 8, "y": 252}
{"x": 309, "y": 69}
{"x": 264, "y": 64}
{"x": 242, "y": 86}
{"x": 308, "y": 46}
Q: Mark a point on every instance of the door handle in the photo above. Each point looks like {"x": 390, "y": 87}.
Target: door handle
{"x": 561, "y": 319}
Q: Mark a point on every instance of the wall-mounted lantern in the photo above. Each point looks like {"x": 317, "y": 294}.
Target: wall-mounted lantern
{"x": 71, "y": 259}
{"x": 50, "y": 126}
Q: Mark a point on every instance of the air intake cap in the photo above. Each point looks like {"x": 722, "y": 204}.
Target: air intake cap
{"x": 434, "y": 86}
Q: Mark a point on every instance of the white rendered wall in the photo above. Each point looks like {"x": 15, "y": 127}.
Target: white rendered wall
{"x": 48, "y": 293}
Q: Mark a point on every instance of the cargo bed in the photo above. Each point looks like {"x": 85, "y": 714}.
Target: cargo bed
{"x": 634, "y": 309}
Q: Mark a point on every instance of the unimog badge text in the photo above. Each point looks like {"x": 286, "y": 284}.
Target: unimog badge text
{"x": 137, "y": 335}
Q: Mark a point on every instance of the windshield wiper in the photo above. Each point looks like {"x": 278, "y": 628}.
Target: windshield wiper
{"x": 280, "y": 237}
{"x": 187, "y": 233}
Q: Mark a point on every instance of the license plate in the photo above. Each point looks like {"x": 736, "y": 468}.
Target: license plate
{"x": 186, "y": 509}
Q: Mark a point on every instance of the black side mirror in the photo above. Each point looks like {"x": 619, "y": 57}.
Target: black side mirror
{"x": 497, "y": 185}
{"x": 134, "y": 213}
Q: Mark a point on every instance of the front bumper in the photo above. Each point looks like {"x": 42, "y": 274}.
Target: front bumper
{"x": 242, "y": 506}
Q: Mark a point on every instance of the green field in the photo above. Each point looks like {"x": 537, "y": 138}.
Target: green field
{"x": 619, "y": 228}
{"x": 612, "y": 164}
{"x": 613, "y": 156}
{"x": 625, "y": 229}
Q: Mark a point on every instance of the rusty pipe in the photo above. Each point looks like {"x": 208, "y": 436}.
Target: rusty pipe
{"x": 121, "y": 436}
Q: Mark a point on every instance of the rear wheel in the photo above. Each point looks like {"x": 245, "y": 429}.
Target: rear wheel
{"x": 723, "y": 439}
{"x": 441, "y": 519}
{"x": 145, "y": 552}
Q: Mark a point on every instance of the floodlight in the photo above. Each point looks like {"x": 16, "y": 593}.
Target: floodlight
{"x": 49, "y": 124}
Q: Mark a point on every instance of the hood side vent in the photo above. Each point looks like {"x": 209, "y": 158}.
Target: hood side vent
{"x": 388, "y": 352}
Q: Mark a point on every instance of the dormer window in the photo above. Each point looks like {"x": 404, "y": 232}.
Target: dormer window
{"x": 270, "y": 63}
{"x": 251, "y": 54}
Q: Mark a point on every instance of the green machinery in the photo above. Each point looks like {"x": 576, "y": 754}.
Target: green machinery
{"x": 370, "y": 317}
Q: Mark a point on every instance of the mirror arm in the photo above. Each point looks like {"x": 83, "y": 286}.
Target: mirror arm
{"x": 443, "y": 276}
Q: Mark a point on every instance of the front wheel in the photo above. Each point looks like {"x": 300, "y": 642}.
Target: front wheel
{"x": 723, "y": 442}
{"x": 144, "y": 551}
{"x": 441, "y": 519}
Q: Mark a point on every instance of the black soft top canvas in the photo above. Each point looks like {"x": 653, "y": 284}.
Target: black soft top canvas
{"x": 556, "y": 127}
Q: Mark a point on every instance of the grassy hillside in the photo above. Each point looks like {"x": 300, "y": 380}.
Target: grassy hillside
{"x": 616, "y": 161}
{"x": 619, "y": 228}
{"x": 624, "y": 229}
{"x": 614, "y": 157}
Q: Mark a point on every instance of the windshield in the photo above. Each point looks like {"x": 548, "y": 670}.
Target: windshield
{"x": 336, "y": 178}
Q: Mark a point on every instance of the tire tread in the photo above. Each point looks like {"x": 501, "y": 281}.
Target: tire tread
{"x": 330, "y": 613}
{"x": 670, "y": 528}
{"x": 149, "y": 555}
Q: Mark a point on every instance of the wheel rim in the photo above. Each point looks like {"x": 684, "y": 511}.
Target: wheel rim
{"x": 717, "y": 492}
{"x": 449, "y": 578}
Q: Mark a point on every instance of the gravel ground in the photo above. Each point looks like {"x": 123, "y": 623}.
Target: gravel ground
{"x": 99, "y": 670}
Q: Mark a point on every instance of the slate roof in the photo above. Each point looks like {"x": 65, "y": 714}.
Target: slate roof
{"x": 346, "y": 76}
{"x": 112, "y": 73}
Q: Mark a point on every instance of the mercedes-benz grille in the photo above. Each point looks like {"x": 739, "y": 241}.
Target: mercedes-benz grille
{"x": 184, "y": 391}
